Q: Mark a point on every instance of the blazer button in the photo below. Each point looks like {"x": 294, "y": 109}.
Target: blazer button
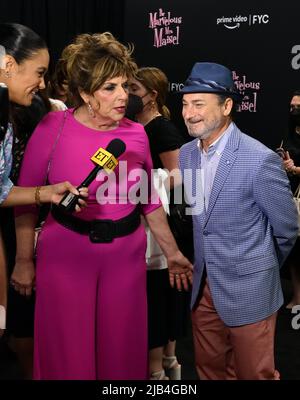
{"x": 205, "y": 233}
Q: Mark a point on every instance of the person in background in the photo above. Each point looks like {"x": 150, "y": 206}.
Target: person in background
{"x": 167, "y": 307}
{"x": 58, "y": 86}
{"x": 91, "y": 309}
{"x": 291, "y": 162}
{"x": 245, "y": 224}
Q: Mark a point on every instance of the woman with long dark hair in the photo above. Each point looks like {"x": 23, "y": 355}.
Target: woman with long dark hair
{"x": 24, "y": 60}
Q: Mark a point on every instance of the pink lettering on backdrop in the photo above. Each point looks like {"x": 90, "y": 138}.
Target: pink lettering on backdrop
{"x": 249, "y": 89}
{"x": 166, "y": 28}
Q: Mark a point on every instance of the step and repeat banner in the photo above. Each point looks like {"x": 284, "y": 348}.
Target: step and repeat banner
{"x": 258, "y": 40}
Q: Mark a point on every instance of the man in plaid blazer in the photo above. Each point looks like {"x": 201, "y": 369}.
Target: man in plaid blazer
{"x": 245, "y": 224}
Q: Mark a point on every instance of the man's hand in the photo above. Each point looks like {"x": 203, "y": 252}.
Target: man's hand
{"x": 180, "y": 271}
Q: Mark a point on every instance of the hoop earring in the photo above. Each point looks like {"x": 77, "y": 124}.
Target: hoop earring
{"x": 90, "y": 110}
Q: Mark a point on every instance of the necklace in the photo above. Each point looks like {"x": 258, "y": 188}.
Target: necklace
{"x": 155, "y": 115}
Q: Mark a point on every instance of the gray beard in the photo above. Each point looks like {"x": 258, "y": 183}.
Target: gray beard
{"x": 201, "y": 136}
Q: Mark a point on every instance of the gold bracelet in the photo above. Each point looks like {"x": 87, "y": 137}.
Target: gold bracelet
{"x": 37, "y": 195}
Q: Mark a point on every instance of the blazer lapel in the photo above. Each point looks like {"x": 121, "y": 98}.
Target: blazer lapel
{"x": 226, "y": 162}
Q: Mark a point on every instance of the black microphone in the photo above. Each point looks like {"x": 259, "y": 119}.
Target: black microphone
{"x": 105, "y": 159}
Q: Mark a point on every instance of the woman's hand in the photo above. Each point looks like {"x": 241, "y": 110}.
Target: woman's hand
{"x": 54, "y": 193}
{"x": 180, "y": 271}
{"x": 23, "y": 277}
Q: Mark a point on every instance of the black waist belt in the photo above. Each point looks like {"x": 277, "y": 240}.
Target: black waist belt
{"x": 99, "y": 230}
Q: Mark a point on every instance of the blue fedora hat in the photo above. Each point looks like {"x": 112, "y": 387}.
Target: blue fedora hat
{"x": 207, "y": 77}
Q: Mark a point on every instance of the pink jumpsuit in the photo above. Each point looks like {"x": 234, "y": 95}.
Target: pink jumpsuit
{"x": 91, "y": 306}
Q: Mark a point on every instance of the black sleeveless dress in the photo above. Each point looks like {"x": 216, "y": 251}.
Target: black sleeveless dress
{"x": 168, "y": 309}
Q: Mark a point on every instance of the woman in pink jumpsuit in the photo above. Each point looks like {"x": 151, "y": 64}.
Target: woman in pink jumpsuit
{"x": 91, "y": 309}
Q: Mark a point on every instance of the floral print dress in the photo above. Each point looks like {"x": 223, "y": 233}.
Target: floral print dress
{"x": 5, "y": 163}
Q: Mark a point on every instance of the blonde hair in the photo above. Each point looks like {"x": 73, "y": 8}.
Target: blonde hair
{"x": 155, "y": 79}
{"x": 92, "y": 59}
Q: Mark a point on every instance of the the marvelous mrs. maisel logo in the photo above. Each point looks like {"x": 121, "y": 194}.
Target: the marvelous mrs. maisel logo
{"x": 166, "y": 28}
{"x": 249, "y": 89}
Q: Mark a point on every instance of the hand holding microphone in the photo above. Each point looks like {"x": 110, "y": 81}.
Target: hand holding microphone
{"x": 105, "y": 159}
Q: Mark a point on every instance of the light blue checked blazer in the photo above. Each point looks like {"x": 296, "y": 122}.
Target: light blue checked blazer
{"x": 247, "y": 232}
